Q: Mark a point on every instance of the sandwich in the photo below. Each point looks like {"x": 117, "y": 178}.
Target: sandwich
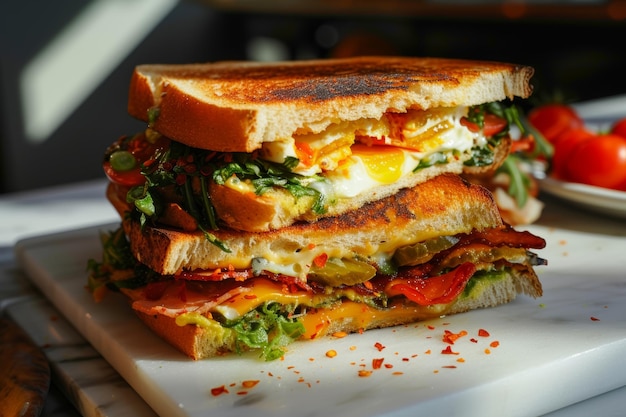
{"x": 271, "y": 202}
{"x": 297, "y": 141}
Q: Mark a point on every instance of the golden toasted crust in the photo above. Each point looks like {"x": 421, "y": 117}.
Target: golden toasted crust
{"x": 444, "y": 205}
{"x": 236, "y": 106}
{"x": 201, "y": 343}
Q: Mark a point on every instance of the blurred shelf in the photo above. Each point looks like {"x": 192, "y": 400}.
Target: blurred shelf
{"x": 603, "y": 10}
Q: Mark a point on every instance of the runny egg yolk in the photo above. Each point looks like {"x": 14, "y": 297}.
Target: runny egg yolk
{"x": 383, "y": 163}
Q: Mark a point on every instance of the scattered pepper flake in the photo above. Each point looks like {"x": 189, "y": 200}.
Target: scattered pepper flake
{"x": 460, "y": 360}
{"x": 250, "y": 383}
{"x": 219, "y": 390}
{"x": 449, "y": 367}
{"x": 331, "y": 353}
{"x": 487, "y": 351}
{"x": 494, "y": 344}
{"x": 377, "y": 363}
{"x": 594, "y": 318}
{"x": 448, "y": 351}
{"x": 398, "y": 373}
{"x": 450, "y": 337}
{"x": 427, "y": 352}
{"x": 364, "y": 373}
{"x": 388, "y": 366}
{"x": 379, "y": 346}
{"x": 483, "y": 333}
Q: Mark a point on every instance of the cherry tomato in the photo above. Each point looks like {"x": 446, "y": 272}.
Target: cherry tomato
{"x": 123, "y": 165}
{"x": 619, "y": 128}
{"x": 552, "y": 120}
{"x": 492, "y": 124}
{"x": 128, "y": 178}
{"x": 600, "y": 161}
{"x": 563, "y": 149}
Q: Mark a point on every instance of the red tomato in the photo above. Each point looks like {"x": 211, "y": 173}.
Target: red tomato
{"x": 563, "y": 149}
{"x": 492, "y": 124}
{"x": 600, "y": 161}
{"x": 551, "y": 120}
{"x": 619, "y": 128}
{"x": 126, "y": 178}
{"x": 441, "y": 289}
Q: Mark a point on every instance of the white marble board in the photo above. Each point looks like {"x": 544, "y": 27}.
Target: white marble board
{"x": 540, "y": 355}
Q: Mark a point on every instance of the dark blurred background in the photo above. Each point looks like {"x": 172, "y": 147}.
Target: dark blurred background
{"x": 65, "y": 65}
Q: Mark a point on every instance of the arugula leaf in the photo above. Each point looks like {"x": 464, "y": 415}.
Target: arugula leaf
{"x": 118, "y": 261}
{"x": 264, "y": 175}
{"x": 270, "y": 328}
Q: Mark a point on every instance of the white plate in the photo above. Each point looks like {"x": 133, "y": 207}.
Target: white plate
{"x": 597, "y": 199}
{"x": 540, "y": 355}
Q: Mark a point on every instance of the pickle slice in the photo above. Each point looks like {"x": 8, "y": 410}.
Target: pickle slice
{"x": 338, "y": 272}
{"x": 421, "y": 252}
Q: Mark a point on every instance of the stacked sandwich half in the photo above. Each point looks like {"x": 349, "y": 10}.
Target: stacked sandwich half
{"x": 271, "y": 202}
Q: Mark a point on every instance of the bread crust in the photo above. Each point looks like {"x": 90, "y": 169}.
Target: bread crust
{"x": 444, "y": 205}
{"x": 236, "y": 106}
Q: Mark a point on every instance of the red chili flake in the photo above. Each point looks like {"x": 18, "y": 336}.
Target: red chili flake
{"x": 405, "y": 359}
{"x": 483, "y": 333}
{"x": 427, "y": 352}
{"x": 431, "y": 327}
{"x": 250, "y": 383}
{"x": 494, "y": 344}
{"x": 219, "y": 390}
{"x": 487, "y": 351}
{"x": 448, "y": 351}
{"x": 473, "y": 340}
{"x": 364, "y": 374}
{"x": 320, "y": 260}
{"x": 377, "y": 363}
{"x": 398, "y": 373}
{"x": 388, "y": 366}
{"x": 594, "y": 318}
{"x": 449, "y": 367}
{"x": 379, "y": 346}
{"x": 450, "y": 337}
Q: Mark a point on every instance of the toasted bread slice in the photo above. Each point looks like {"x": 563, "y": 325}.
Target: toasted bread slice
{"x": 444, "y": 205}
{"x": 237, "y": 106}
